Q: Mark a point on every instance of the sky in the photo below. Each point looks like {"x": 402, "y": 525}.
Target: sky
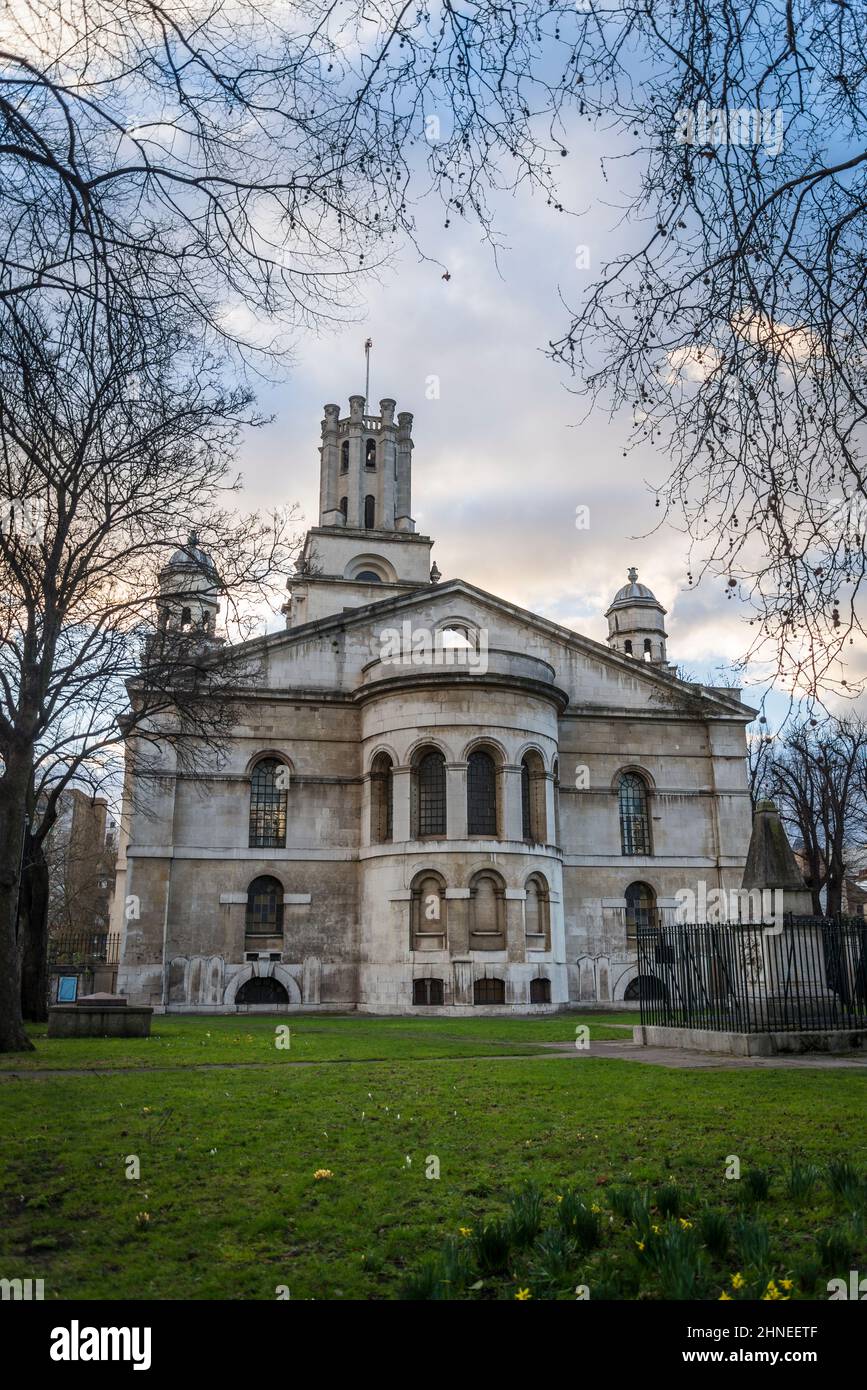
{"x": 507, "y": 452}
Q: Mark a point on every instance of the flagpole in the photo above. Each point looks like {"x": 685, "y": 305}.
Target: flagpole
{"x": 368, "y": 344}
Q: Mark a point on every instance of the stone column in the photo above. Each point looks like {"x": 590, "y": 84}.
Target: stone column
{"x": 401, "y": 787}
{"x": 512, "y": 817}
{"x": 387, "y": 465}
{"x": 456, "y": 801}
{"x": 516, "y": 941}
{"x": 458, "y": 920}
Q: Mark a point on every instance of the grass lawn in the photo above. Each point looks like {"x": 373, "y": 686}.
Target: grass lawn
{"x": 227, "y": 1205}
{"x": 188, "y": 1040}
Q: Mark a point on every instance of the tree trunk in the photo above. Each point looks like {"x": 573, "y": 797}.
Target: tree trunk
{"x": 33, "y": 934}
{"x": 13, "y": 808}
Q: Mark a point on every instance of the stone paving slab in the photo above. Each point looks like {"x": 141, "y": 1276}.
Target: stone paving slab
{"x": 680, "y": 1057}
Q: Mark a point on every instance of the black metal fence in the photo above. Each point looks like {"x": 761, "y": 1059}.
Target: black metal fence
{"x": 83, "y": 948}
{"x": 745, "y": 977}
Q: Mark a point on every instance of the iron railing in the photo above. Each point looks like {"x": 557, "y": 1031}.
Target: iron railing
{"x": 748, "y": 978}
{"x": 84, "y": 948}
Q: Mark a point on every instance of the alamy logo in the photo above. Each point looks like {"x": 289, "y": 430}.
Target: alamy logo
{"x": 27, "y": 1290}
{"x": 742, "y": 125}
{"x": 421, "y": 646}
{"x": 855, "y": 1290}
{"x": 76, "y": 1343}
{"x": 763, "y": 905}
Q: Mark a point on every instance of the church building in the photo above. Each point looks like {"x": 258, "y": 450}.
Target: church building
{"x": 433, "y": 800}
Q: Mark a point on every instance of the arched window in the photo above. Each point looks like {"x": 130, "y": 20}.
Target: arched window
{"x": 537, "y": 916}
{"x": 264, "y": 907}
{"x": 429, "y": 794}
{"x": 381, "y": 799}
{"x": 344, "y": 507}
{"x": 369, "y": 511}
{"x": 268, "y": 786}
{"x": 634, "y": 820}
{"x": 640, "y": 909}
{"x": 428, "y": 908}
{"x": 540, "y": 991}
{"x": 261, "y": 990}
{"x": 489, "y": 992}
{"x": 481, "y": 794}
{"x": 368, "y": 577}
{"x": 533, "y": 820}
{"x": 649, "y": 986}
{"x": 556, "y": 801}
{"x": 648, "y": 650}
{"x": 344, "y": 456}
{"x": 627, "y": 646}
{"x": 186, "y": 617}
{"x": 427, "y": 991}
{"x": 487, "y": 912}
{"x": 370, "y": 454}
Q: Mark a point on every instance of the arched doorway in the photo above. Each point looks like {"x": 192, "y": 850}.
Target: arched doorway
{"x": 261, "y": 990}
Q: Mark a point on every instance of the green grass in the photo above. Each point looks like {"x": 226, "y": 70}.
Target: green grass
{"x": 188, "y": 1040}
{"x": 228, "y": 1158}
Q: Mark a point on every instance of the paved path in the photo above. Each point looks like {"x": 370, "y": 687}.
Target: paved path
{"x": 622, "y": 1050}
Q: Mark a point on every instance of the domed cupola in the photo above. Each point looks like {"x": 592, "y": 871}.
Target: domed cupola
{"x": 636, "y": 622}
{"x": 189, "y": 589}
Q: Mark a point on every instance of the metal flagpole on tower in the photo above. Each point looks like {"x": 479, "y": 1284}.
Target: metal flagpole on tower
{"x": 368, "y": 344}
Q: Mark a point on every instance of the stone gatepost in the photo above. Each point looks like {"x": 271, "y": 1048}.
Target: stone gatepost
{"x": 789, "y": 980}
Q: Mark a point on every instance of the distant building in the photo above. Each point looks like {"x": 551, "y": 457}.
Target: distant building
{"x": 82, "y": 854}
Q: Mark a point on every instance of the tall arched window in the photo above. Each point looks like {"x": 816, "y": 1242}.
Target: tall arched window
{"x": 634, "y": 820}
{"x": 533, "y": 819}
{"x": 369, "y": 511}
{"x": 344, "y": 507}
{"x": 264, "y": 915}
{"x": 370, "y": 454}
{"x": 429, "y": 794}
{"x": 487, "y": 912}
{"x": 556, "y": 801}
{"x": 640, "y": 909}
{"x": 481, "y": 794}
{"x": 381, "y": 799}
{"x": 344, "y": 456}
{"x": 268, "y": 786}
{"x": 428, "y": 912}
{"x": 537, "y": 921}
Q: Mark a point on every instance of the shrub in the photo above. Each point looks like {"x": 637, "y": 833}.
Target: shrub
{"x": 756, "y": 1185}
{"x": 525, "y": 1220}
{"x": 668, "y": 1199}
{"x": 802, "y": 1179}
{"x": 752, "y": 1243}
{"x": 579, "y": 1222}
{"x": 492, "y": 1246}
{"x": 555, "y": 1258}
{"x": 713, "y": 1226}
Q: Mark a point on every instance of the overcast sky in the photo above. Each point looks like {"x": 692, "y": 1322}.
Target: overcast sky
{"x": 502, "y": 458}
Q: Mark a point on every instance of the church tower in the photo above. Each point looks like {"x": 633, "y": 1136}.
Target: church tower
{"x": 636, "y": 622}
{"x": 365, "y": 547}
{"x": 189, "y": 589}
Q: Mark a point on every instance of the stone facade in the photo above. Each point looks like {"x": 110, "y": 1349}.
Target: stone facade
{"x": 443, "y": 822}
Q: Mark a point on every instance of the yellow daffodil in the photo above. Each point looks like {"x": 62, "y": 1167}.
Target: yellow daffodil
{"x": 323, "y": 1173}
{"x": 523, "y": 1294}
{"x": 465, "y": 1231}
{"x": 640, "y": 1244}
{"x": 738, "y": 1281}
{"x": 724, "y": 1297}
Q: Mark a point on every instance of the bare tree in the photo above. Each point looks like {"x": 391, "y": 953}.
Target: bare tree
{"x": 256, "y": 161}
{"x": 110, "y": 444}
{"x": 816, "y": 774}
{"x": 733, "y": 326}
